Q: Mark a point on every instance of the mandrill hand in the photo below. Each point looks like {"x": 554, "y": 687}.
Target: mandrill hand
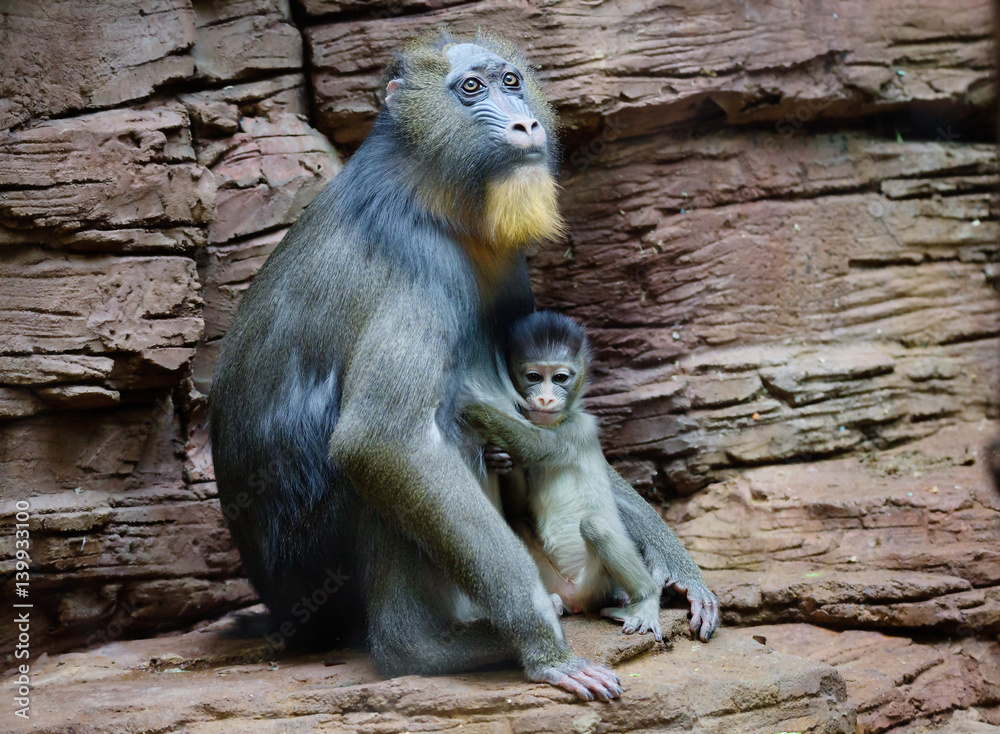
{"x": 704, "y": 611}
{"x": 582, "y": 677}
{"x": 496, "y": 459}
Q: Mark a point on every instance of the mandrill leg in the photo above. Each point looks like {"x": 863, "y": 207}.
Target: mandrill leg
{"x": 418, "y": 622}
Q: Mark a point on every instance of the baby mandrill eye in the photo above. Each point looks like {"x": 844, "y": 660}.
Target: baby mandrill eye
{"x": 560, "y": 378}
{"x": 533, "y": 377}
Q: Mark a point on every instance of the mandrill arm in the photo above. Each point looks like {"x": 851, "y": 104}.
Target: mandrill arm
{"x": 527, "y": 444}
{"x": 389, "y": 443}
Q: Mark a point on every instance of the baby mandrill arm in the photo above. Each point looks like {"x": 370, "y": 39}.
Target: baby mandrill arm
{"x": 527, "y": 444}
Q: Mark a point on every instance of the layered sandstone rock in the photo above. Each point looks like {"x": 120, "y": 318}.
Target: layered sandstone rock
{"x": 117, "y": 232}
{"x": 203, "y": 682}
{"x": 650, "y": 64}
{"x": 67, "y": 55}
{"x": 752, "y": 307}
{"x": 900, "y": 685}
{"x": 902, "y": 540}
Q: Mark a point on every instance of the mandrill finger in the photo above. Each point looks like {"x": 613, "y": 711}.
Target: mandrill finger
{"x": 605, "y": 690}
{"x": 705, "y": 618}
{"x": 596, "y": 687}
{"x": 696, "y": 617}
{"x": 711, "y": 622}
{"x": 580, "y": 677}
{"x": 609, "y": 677}
{"x": 568, "y": 683}
{"x": 707, "y": 630}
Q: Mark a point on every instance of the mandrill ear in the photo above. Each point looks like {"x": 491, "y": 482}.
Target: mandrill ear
{"x": 390, "y": 89}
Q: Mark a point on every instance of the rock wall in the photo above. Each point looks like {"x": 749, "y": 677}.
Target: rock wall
{"x": 141, "y": 186}
{"x": 783, "y": 242}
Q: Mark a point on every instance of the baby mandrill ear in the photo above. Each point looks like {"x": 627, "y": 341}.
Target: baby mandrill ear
{"x": 390, "y": 89}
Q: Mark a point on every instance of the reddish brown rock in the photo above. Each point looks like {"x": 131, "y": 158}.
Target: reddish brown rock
{"x": 649, "y": 64}
{"x": 895, "y": 682}
{"x": 374, "y": 10}
{"x": 113, "y": 527}
{"x": 964, "y": 721}
{"x": 79, "y": 396}
{"x": 239, "y": 39}
{"x": 116, "y": 170}
{"x": 267, "y": 174}
{"x": 749, "y": 310}
{"x": 143, "y": 310}
{"x": 62, "y": 55}
{"x": 903, "y": 539}
{"x": 263, "y": 98}
{"x": 17, "y": 403}
{"x": 40, "y": 369}
{"x": 202, "y": 682}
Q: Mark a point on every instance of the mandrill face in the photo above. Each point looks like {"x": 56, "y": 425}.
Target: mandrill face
{"x": 492, "y": 90}
{"x": 482, "y": 136}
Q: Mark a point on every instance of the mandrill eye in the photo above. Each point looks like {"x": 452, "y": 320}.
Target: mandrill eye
{"x": 471, "y": 85}
{"x": 510, "y": 79}
{"x": 560, "y": 378}
{"x": 533, "y": 377}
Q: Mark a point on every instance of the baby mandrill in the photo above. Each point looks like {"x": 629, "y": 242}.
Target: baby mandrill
{"x": 562, "y": 504}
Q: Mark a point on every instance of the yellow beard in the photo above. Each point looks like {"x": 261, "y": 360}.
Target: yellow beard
{"x": 520, "y": 210}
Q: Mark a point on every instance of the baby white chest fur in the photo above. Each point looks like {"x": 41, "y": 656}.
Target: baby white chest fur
{"x": 559, "y": 498}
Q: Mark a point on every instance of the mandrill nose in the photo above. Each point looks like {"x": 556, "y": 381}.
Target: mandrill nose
{"x": 525, "y": 132}
{"x": 544, "y": 402}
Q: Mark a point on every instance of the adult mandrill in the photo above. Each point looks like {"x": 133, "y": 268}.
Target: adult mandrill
{"x": 334, "y": 418}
